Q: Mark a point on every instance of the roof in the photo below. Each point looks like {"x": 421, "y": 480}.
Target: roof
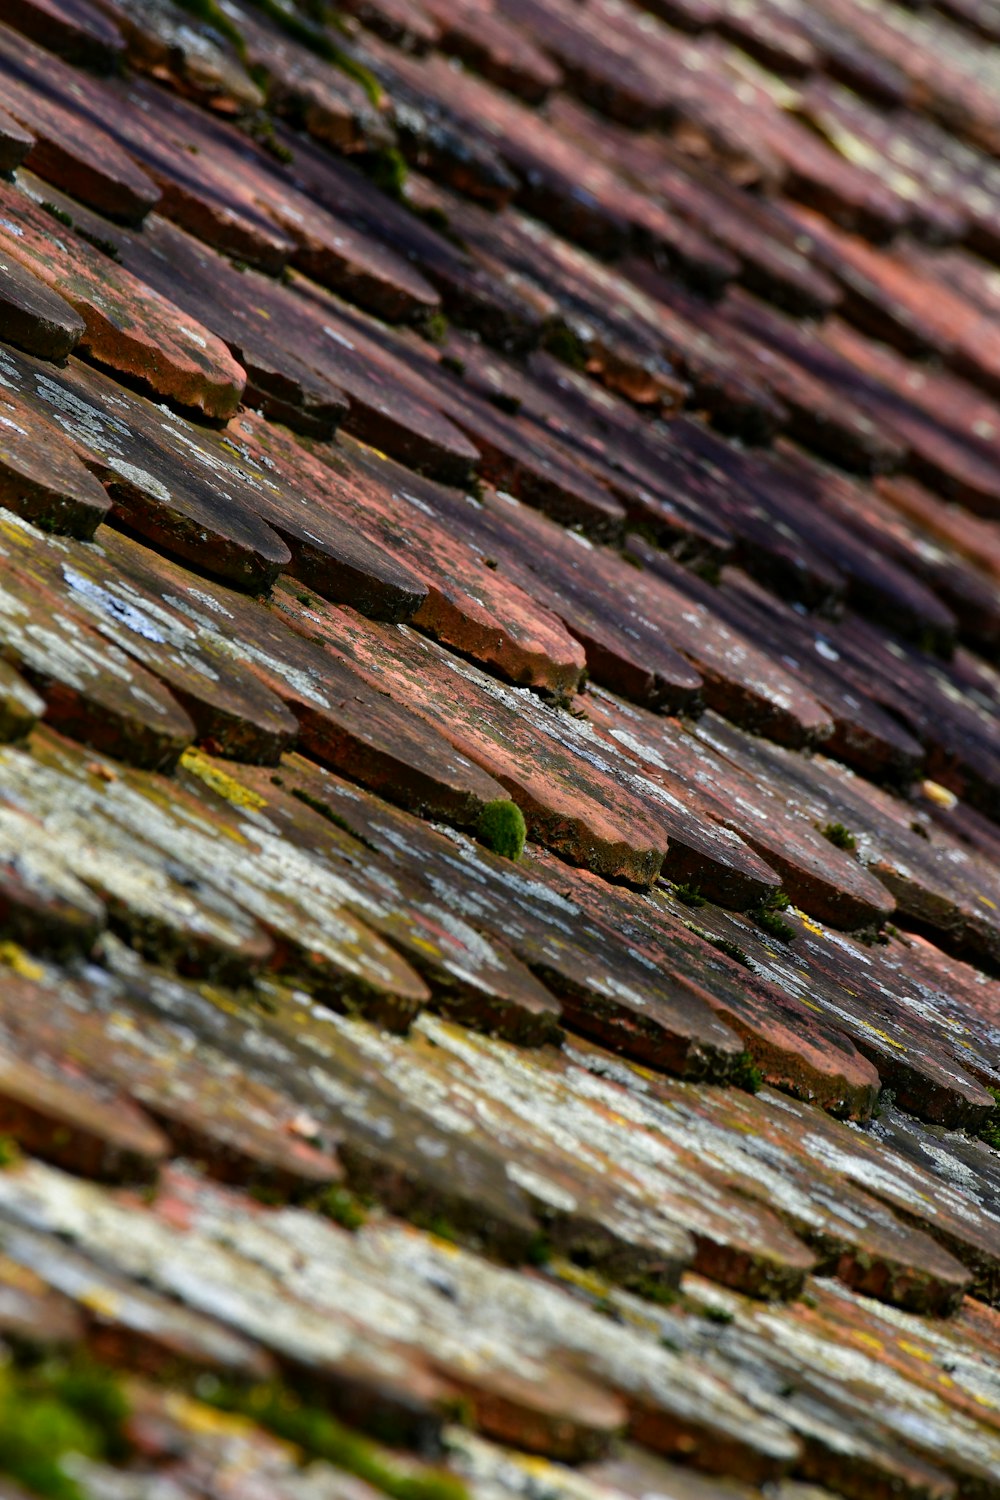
{"x": 499, "y": 750}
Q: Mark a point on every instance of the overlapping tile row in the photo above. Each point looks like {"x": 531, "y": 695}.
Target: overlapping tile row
{"x": 457, "y": 422}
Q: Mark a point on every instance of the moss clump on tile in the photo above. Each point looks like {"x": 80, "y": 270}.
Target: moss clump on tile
{"x": 321, "y": 1436}
{"x": 765, "y": 914}
{"x": 53, "y": 1409}
{"x": 725, "y": 945}
{"x": 746, "y": 1075}
{"x": 57, "y": 213}
{"x": 388, "y": 170}
{"x": 720, "y": 1315}
{"x": 436, "y": 328}
{"x": 838, "y": 835}
{"x": 564, "y": 344}
{"x": 989, "y": 1131}
{"x": 343, "y": 1207}
{"x": 689, "y": 894}
{"x": 502, "y": 828}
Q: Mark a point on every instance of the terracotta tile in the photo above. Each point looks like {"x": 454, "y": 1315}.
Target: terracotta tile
{"x": 480, "y": 34}
{"x": 230, "y": 709}
{"x": 483, "y": 297}
{"x": 761, "y": 242}
{"x": 36, "y": 318}
{"x": 822, "y": 879}
{"x": 77, "y": 30}
{"x": 469, "y": 605}
{"x": 89, "y": 686}
{"x": 407, "y": 24}
{"x": 825, "y": 419}
{"x": 198, "y": 515}
{"x": 736, "y": 1136}
{"x": 45, "y": 97}
{"x": 342, "y": 722}
{"x": 977, "y": 540}
{"x": 865, "y": 736}
{"x": 791, "y": 1048}
{"x": 332, "y": 106}
{"x": 130, "y": 328}
{"x": 44, "y": 905}
{"x": 41, "y": 478}
{"x": 330, "y": 551}
{"x": 234, "y": 868}
{"x": 238, "y": 306}
{"x": 126, "y": 1322}
{"x": 471, "y": 978}
{"x": 237, "y": 1130}
{"x": 574, "y": 799}
{"x": 432, "y": 135}
{"x": 604, "y": 987}
{"x": 203, "y": 64}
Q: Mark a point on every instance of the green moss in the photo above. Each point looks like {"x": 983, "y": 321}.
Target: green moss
{"x": 341, "y": 1205}
{"x": 989, "y": 1131}
{"x": 746, "y": 1075}
{"x": 689, "y": 894}
{"x": 837, "y": 834}
{"x": 652, "y": 1289}
{"x": 765, "y": 914}
{"x": 387, "y": 169}
{"x": 724, "y": 945}
{"x": 502, "y": 828}
{"x": 436, "y": 328}
{"x": 564, "y": 344}
{"x": 453, "y": 363}
{"x": 872, "y": 935}
{"x": 10, "y": 1152}
{"x": 311, "y": 33}
{"x": 322, "y": 1436}
{"x": 261, "y": 128}
{"x": 52, "y": 1409}
{"x": 57, "y": 213}
{"x": 886, "y": 1099}
{"x": 539, "y": 1252}
{"x": 718, "y": 1315}
{"x": 327, "y": 812}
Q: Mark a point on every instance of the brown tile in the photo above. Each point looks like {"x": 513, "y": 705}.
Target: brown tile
{"x": 129, "y": 328}
{"x": 44, "y": 905}
{"x": 45, "y": 97}
{"x": 237, "y": 1130}
{"x": 41, "y": 477}
{"x": 77, "y": 30}
{"x": 574, "y": 799}
{"x": 230, "y": 709}
{"x": 865, "y": 736}
{"x": 342, "y": 721}
{"x": 604, "y": 986}
{"x": 823, "y": 880}
{"x": 407, "y": 24}
{"x": 36, "y": 318}
{"x": 162, "y": 472}
{"x": 471, "y": 978}
{"x": 15, "y": 142}
{"x": 977, "y": 540}
{"x": 479, "y": 33}
{"x": 91, "y": 689}
{"x": 203, "y": 64}
{"x": 20, "y": 705}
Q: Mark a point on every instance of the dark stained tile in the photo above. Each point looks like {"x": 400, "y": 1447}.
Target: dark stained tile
{"x": 15, "y": 142}
{"x": 232, "y": 711}
{"x": 42, "y": 95}
{"x": 471, "y": 978}
{"x": 200, "y": 62}
{"x": 574, "y": 799}
{"x": 35, "y": 317}
{"x": 479, "y": 33}
{"x": 41, "y": 477}
{"x": 605, "y": 988}
{"x": 342, "y": 721}
{"x": 77, "y": 30}
{"x": 129, "y": 328}
{"x": 161, "y": 471}
{"x": 681, "y": 759}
